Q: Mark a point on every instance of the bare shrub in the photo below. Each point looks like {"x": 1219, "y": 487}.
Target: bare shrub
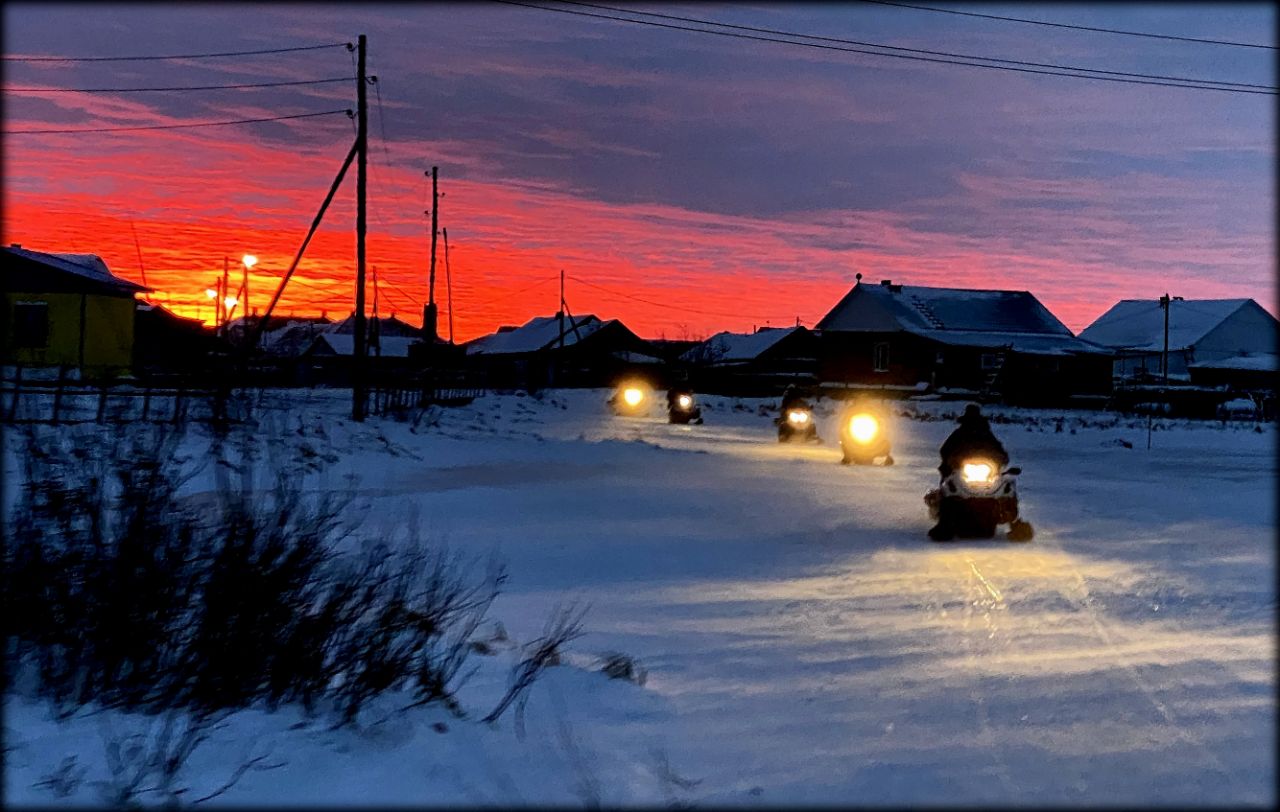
{"x": 564, "y": 626}
{"x": 616, "y": 665}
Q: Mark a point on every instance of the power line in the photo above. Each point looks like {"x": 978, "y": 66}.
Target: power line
{"x": 917, "y": 50}
{"x": 346, "y": 45}
{"x": 893, "y": 55}
{"x": 1076, "y": 27}
{"x": 174, "y": 126}
{"x": 167, "y": 89}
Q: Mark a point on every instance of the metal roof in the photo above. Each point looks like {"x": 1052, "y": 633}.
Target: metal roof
{"x": 1138, "y": 324}
{"x": 87, "y": 266}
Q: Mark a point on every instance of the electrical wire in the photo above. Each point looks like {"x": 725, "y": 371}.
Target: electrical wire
{"x": 349, "y": 46}
{"x": 168, "y": 89}
{"x": 917, "y": 50}
{"x": 892, "y": 55}
{"x": 174, "y": 126}
{"x": 1076, "y": 27}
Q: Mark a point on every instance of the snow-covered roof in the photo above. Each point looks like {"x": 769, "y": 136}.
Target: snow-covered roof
{"x": 538, "y": 333}
{"x": 730, "y": 347}
{"x": 915, "y": 308}
{"x": 1027, "y": 343}
{"x": 87, "y": 266}
{"x": 1138, "y": 324}
{"x": 344, "y": 344}
{"x": 1259, "y": 362}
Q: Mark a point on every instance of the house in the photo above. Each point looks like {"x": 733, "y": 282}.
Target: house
{"x": 562, "y": 350}
{"x": 166, "y": 343}
{"x": 1256, "y": 372}
{"x": 66, "y": 310}
{"x": 997, "y": 344}
{"x": 756, "y": 364}
{"x": 1203, "y": 333}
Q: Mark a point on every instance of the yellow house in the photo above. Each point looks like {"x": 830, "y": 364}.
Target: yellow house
{"x": 65, "y": 309}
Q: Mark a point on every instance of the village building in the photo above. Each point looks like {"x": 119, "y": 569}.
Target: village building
{"x": 756, "y": 364}
{"x": 988, "y": 344}
{"x": 166, "y": 344}
{"x": 562, "y": 350}
{"x": 1218, "y": 341}
{"x": 66, "y": 310}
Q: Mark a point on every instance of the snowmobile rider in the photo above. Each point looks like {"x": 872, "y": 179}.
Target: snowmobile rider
{"x": 973, "y": 439}
{"x": 792, "y": 398}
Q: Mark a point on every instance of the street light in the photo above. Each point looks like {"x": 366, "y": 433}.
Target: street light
{"x": 249, "y": 260}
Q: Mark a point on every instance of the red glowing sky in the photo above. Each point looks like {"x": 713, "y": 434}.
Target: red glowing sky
{"x": 684, "y": 186}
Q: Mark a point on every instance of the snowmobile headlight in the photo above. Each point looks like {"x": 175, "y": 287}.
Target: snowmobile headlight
{"x": 978, "y": 473}
{"x": 864, "y": 428}
{"x": 798, "y": 416}
{"x": 685, "y": 401}
{"x": 632, "y": 396}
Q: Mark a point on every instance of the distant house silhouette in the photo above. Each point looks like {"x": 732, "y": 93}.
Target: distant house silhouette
{"x": 66, "y": 310}
{"x": 995, "y": 344}
{"x": 589, "y": 352}
{"x": 754, "y": 364}
{"x": 168, "y": 344}
{"x": 1207, "y": 339}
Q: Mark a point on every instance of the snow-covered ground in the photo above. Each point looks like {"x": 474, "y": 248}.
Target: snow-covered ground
{"x": 804, "y": 642}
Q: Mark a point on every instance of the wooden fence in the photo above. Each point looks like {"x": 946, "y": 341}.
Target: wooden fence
{"x": 67, "y": 399}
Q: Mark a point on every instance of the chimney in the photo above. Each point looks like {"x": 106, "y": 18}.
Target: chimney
{"x": 15, "y": 245}
{"x": 886, "y": 282}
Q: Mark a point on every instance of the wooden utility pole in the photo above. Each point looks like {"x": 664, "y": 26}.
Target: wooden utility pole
{"x": 362, "y": 159}
{"x": 430, "y": 315}
{"x": 226, "y": 309}
{"x": 1164, "y": 358}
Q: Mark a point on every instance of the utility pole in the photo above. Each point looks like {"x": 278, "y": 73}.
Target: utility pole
{"x": 429, "y": 315}
{"x": 376, "y": 330}
{"x": 448, "y": 279}
{"x": 226, "y": 310}
{"x": 1164, "y": 359}
{"x": 560, "y": 310}
{"x": 362, "y": 159}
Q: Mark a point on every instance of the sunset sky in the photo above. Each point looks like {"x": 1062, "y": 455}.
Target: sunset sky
{"x": 686, "y": 183}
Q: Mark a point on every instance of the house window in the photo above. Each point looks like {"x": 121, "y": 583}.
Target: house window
{"x": 990, "y": 361}
{"x": 880, "y": 356}
{"x": 30, "y": 325}
{"x": 940, "y": 359}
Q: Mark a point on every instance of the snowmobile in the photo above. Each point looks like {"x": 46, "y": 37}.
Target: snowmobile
{"x": 864, "y": 438}
{"x": 631, "y": 400}
{"x": 682, "y": 408}
{"x": 797, "y": 423}
{"x": 975, "y": 499}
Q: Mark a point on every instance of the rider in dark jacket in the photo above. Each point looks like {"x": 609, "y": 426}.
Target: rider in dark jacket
{"x": 792, "y": 398}
{"x": 972, "y": 439}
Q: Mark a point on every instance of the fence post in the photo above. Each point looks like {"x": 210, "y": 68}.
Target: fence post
{"x": 57, "y": 392}
{"x": 146, "y": 403}
{"x": 102, "y": 401}
{"x": 17, "y": 387}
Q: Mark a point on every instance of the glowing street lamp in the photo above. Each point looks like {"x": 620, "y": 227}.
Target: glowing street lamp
{"x": 211, "y": 293}
{"x": 249, "y": 260}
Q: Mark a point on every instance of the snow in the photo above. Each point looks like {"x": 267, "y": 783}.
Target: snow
{"x": 392, "y": 346}
{"x": 1138, "y": 324}
{"x": 1028, "y": 343}
{"x": 917, "y": 308}
{"x": 729, "y": 347}
{"x": 1261, "y": 362}
{"x": 534, "y": 335}
{"x": 89, "y": 266}
{"x": 805, "y": 644}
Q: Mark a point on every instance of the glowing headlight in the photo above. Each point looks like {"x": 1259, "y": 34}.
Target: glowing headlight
{"x": 863, "y": 428}
{"x": 798, "y": 417}
{"x": 977, "y": 473}
{"x": 685, "y": 401}
{"x": 632, "y": 396}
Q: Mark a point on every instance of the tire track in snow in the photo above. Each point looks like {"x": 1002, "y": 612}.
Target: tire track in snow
{"x": 1082, "y": 598}
{"x": 977, "y": 592}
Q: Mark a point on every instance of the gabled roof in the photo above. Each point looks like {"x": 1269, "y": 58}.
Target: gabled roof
{"x": 86, "y": 266}
{"x": 344, "y": 344}
{"x": 738, "y": 347}
{"x": 914, "y": 308}
{"x": 1138, "y": 324}
{"x": 537, "y": 334}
